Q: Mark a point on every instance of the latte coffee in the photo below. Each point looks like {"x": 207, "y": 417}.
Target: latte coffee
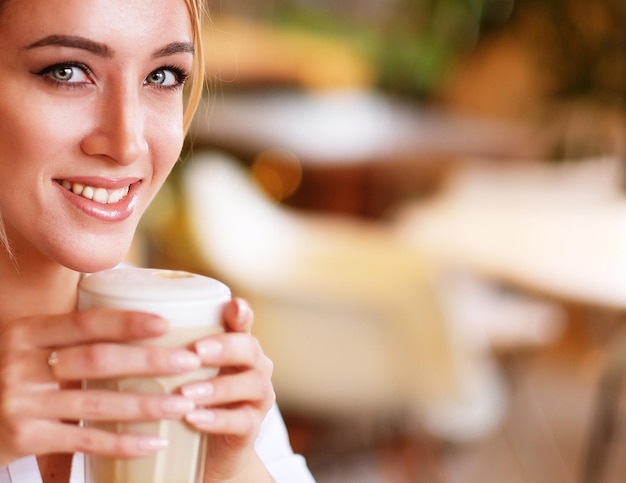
{"x": 193, "y": 306}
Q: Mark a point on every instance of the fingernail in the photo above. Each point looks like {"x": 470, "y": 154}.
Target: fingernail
{"x": 208, "y": 349}
{"x": 198, "y": 391}
{"x": 149, "y": 444}
{"x": 201, "y": 417}
{"x": 243, "y": 312}
{"x": 184, "y": 360}
{"x": 155, "y": 324}
{"x": 177, "y": 406}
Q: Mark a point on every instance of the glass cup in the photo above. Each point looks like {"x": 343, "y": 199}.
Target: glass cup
{"x": 193, "y": 305}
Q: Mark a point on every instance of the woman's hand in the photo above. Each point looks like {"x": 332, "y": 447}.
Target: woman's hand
{"x": 41, "y": 404}
{"x": 232, "y": 406}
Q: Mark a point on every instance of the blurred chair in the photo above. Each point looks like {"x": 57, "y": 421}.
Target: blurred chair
{"x": 352, "y": 320}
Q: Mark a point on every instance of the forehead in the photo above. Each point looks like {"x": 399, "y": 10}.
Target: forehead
{"x": 122, "y": 22}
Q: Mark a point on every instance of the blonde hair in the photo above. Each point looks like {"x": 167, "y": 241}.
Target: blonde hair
{"x": 4, "y": 240}
{"x": 194, "y": 88}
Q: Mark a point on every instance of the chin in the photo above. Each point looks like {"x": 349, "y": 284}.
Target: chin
{"x": 92, "y": 265}
{"x": 98, "y": 267}
{"x": 94, "y": 260}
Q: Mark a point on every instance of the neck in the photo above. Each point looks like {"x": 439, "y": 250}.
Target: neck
{"x": 35, "y": 286}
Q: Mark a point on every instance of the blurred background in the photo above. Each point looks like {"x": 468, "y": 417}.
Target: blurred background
{"x": 423, "y": 200}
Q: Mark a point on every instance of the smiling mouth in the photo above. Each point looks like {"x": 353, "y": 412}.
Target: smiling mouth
{"x": 98, "y": 194}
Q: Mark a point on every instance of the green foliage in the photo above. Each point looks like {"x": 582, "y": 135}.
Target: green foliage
{"x": 412, "y": 47}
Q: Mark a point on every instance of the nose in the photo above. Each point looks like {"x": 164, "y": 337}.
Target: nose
{"x": 118, "y": 132}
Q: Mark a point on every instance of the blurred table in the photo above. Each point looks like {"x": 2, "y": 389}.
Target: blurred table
{"x": 570, "y": 251}
{"x": 353, "y": 151}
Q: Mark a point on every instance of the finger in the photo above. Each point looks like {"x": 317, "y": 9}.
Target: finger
{"x": 230, "y": 349}
{"x": 238, "y": 316}
{"x": 249, "y": 386}
{"x": 240, "y": 422}
{"x": 47, "y": 437}
{"x": 83, "y": 326}
{"x": 101, "y": 361}
{"x": 100, "y": 405}
{"x": 23, "y": 368}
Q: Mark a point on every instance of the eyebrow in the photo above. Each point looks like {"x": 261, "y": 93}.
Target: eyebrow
{"x": 74, "y": 42}
{"x": 103, "y": 50}
{"x": 174, "y": 48}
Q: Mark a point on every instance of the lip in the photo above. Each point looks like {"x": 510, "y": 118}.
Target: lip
{"x": 111, "y": 212}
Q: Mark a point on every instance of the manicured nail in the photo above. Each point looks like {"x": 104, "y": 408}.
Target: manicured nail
{"x": 155, "y": 324}
{"x": 149, "y": 444}
{"x": 175, "y": 406}
{"x": 198, "y": 391}
{"x": 201, "y": 417}
{"x": 209, "y": 349}
{"x": 184, "y": 360}
{"x": 243, "y": 312}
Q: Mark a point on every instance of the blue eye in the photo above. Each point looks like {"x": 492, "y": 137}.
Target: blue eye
{"x": 167, "y": 77}
{"x": 67, "y": 73}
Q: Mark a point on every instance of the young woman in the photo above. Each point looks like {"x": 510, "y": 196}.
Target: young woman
{"x": 92, "y": 119}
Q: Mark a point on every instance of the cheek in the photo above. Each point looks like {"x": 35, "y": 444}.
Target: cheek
{"x": 167, "y": 136}
{"x": 39, "y": 132}
{"x": 32, "y": 142}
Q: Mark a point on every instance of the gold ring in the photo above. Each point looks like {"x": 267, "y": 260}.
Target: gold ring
{"x": 53, "y": 359}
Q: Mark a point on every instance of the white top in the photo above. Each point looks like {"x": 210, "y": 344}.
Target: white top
{"x": 272, "y": 446}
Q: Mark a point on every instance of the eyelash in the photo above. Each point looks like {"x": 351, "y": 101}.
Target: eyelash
{"x": 180, "y": 74}
{"x": 46, "y": 71}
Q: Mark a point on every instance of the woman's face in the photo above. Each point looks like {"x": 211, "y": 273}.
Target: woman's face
{"x": 90, "y": 121}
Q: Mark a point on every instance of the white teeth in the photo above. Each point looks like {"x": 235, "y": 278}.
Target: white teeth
{"x": 99, "y": 195}
{"x": 77, "y": 188}
{"x": 87, "y": 192}
{"x": 117, "y": 195}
